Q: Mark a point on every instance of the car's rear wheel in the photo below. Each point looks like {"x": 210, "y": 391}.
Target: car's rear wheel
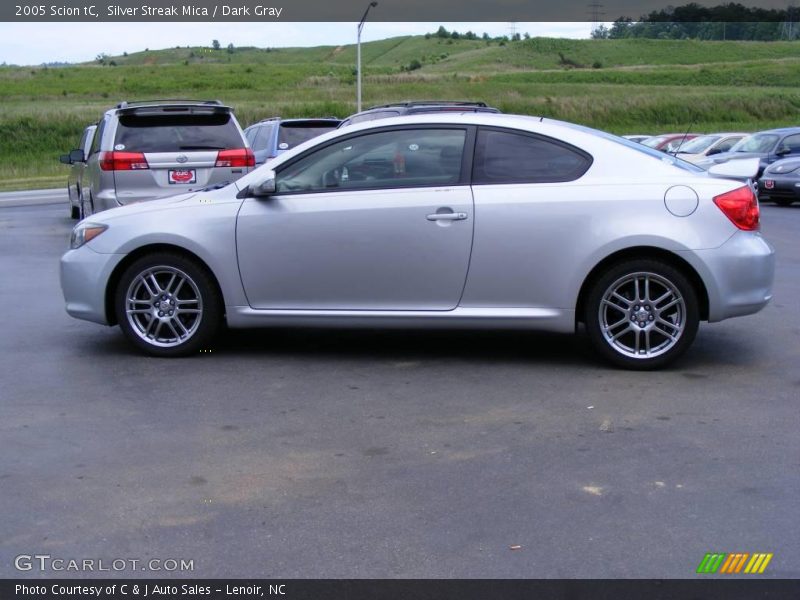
{"x": 87, "y": 205}
{"x": 642, "y": 314}
{"x": 168, "y": 305}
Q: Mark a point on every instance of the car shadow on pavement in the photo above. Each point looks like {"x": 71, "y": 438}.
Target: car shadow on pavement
{"x": 410, "y": 344}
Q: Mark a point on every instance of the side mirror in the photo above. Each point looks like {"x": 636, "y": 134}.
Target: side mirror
{"x": 783, "y": 151}
{"x": 713, "y": 151}
{"x": 265, "y": 187}
{"x": 77, "y": 156}
{"x": 64, "y": 158}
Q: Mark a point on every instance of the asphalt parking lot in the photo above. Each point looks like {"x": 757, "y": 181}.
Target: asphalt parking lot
{"x": 317, "y": 453}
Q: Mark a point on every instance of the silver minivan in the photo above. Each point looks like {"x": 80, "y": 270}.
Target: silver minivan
{"x": 151, "y": 149}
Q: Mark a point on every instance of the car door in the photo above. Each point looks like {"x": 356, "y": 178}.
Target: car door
{"x": 530, "y": 219}
{"x": 380, "y": 220}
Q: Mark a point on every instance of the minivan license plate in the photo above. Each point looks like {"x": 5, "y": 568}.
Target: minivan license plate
{"x": 182, "y": 176}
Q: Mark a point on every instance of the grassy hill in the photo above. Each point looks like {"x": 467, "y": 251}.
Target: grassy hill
{"x": 620, "y": 85}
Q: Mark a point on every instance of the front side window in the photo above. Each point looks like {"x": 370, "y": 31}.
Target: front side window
{"x": 388, "y": 159}
{"x": 98, "y": 136}
{"x": 791, "y": 143}
{"x": 726, "y": 145}
{"x": 506, "y": 157}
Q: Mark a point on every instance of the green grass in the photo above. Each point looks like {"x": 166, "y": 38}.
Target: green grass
{"x": 637, "y": 86}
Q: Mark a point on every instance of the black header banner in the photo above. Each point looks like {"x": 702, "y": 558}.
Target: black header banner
{"x": 342, "y": 10}
{"x": 734, "y": 588}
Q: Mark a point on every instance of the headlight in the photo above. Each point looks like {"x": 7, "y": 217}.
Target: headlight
{"x": 85, "y": 232}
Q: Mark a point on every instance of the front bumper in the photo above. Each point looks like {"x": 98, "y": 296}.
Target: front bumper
{"x": 84, "y": 278}
{"x": 738, "y": 275}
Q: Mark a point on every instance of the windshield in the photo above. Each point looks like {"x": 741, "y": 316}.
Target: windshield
{"x": 758, "y": 142}
{"x": 655, "y": 141}
{"x": 698, "y": 145}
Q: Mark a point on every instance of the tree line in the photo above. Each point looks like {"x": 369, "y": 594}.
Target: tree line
{"x": 724, "y": 22}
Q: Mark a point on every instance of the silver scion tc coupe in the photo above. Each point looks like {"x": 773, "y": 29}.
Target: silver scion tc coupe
{"x": 440, "y": 220}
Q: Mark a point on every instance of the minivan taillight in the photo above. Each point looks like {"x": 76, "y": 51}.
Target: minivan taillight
{"x": 741, "y": 207}
{"x": 123, "y": 161}
{"x": 238, "y": 157}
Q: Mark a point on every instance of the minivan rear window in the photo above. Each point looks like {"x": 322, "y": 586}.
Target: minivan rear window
{"x": 293, "y": 134}
{"x": 177, "y": 133}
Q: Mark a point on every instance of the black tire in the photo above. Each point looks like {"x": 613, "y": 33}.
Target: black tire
{"x": 165, "y": 303}
{"x": 87, "y": 206}
{"x": 782, "y": 202}
{"x": 641, "y": 330}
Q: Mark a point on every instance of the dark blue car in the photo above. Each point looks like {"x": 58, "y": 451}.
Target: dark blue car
{"x": 768, "y": 146}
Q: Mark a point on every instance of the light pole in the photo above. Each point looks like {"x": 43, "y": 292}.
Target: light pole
{"x": 358, "y": 55}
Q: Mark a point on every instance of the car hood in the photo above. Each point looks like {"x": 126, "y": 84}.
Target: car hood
{"x": 140, "y": 207}
{"x": 783, "y": 167}
{"x": 726, "y": 156}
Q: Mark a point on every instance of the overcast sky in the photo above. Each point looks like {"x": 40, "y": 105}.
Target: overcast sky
{"x": 36, "y": 43}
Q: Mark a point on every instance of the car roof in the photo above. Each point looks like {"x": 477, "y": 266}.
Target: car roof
{"x": 450, "y": 117}
{"x": 780, "y": 130}
{"x": 333, "y": 120}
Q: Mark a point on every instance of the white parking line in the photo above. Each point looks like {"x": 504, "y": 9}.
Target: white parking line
{"x": 33, "y": 197}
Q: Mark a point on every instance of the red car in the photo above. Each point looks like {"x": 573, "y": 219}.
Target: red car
{"x": 668, "y": 142}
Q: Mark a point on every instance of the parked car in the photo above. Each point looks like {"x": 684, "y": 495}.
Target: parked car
{"x": 668, "y": 142}
{"x": 780, "y": 182}
{"x": 375, "y": 225}
{"x": 77, "y": 159}
{"x": 416, "y": 107}
{"x": 151, "y": 149}
{"x": 708, "y": 145}
{"x": 270, "y": 137}
{"x": 768, "y": 146}
{"x": 637, "y": 137}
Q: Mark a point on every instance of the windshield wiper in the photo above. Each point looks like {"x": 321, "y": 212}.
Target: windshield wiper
{"x": 201, "y": 148}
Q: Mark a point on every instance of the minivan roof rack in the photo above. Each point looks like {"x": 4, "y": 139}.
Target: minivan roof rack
{"x": 126, "y": 103}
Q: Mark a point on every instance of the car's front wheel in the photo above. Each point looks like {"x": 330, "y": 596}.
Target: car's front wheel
{"x": 642, "y": 314}
{"x": 168, "y": 305}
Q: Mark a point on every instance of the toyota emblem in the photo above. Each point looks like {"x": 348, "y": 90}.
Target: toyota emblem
{"x": 182, "y": 158}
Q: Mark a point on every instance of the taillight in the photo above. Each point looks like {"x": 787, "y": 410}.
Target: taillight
{"x": 123, "y": 161}
{"x": 239, "y": 157}
{"x": 741, "y": 207}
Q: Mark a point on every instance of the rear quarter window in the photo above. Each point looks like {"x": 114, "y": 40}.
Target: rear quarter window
{"x": 509, "y": 157}
{"x": 177, "y": 133}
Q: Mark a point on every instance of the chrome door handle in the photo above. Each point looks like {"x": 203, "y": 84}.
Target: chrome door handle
{"x": 460, "y": 216}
